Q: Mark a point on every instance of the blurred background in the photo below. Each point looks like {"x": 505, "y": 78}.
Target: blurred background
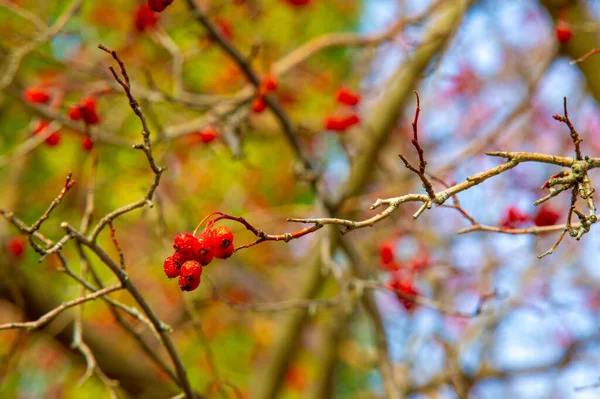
{"x": 277, "y": 320}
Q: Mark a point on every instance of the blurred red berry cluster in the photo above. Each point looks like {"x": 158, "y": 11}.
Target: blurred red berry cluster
{"x": 268, "y": 85}
{"x": 341, "y": 123}
{"x": 402, "y": 278}
{"x": 514, "y": 218}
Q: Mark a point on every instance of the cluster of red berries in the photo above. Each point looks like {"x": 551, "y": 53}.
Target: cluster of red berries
{"x": 515, "y": 218}
{"x": 402, "y": 279}
{"x": 268, "y": 85}
{"x": 193, "y": 252}
{"x": 159, "y": 5}
{"x": 85, "y": 110}
{"x": 341, "y": 123}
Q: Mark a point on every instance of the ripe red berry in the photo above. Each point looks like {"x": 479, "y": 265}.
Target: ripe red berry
{"x": 269, "y": 83}
{"x": 403, "y": 285}
{"x": 87, "y": 143}
{"x": 34, "y": 95}
{"x": 191, "y": 274}
{"x": 546, "y": 216}
{"x": 171, "y": 267}
{"x": 159, "y": 5}
{"x": 203, "y": 249}
{"x": 184, "y": 243}
{"x": 563, "y": 31}
{"x": 347, "y": 97}
{"x": 208, "y": 134}
{"x": 53, "y": 139}
{"x": 386, "y": 253}
{"x": 225, "y": 28}
{"x": 351, "y": 120}
{"x": 75, "y": 113}
{"x": 145, "y": 18}
{"x": 16, "y": 246}
{"x": 222, "y": 239}
{"x": 86, "y": 110}
{"x": 341, "y": 123}
{"x": 513, "y": 218}
{"x": 258, "y": 105}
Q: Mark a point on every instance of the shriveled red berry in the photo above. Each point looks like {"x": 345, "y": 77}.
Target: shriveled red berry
{"x": 347, "y": 97}
{"x": 16, "y": 246}
{"x": 145, "y": 18}
{"x": 222, "y": 239}
{"x": 563, "y": 31}
{"x": 171, "y": 267}
{"x": 258, "y": 105}
{"x": 37, "y": 96}
{"x": 203, "y": 249}
{"x": 191, "y": 274}
{"x": 184, "y": 243}
{"x": 87, "y": 143}
{"x": 546, "y": 216}
{"x": 159, "y": 5}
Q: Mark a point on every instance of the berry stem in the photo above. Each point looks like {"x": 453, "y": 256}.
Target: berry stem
{"x": 204, "y": 220}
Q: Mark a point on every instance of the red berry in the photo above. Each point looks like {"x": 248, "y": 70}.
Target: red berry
{"x": 184, "y": 243}
{"x": 171, "y": 267}
{"x": 38, "y": 96}
{"x": 546, "y": 216}
{"x": 208, "y": 134}
{"x": 16, "y": 246}
{"x": 75, "y": 113}
{"x": 159, "y": 5}
{"x": 145, "y": 18}
{"x": 269, "y": 83}
{"x": 258, "y": 105}
{"x": 88, "y": 111}
{"x": 203, "y": 249}
{"x": 191, "y": 273}
{"x": 53, "y": 139}
{"x": 403, "y": 285}
{"x": 298, "y": 3}
{"x": 420, "y": 262}
{"x": 351, "y": 120}
{"x": 87, "y": 143}
{"x": 340, "y": 124}
{"x": 563, "y": 31}
{"x": 347, "y": 97}
{"x": 513, "y": 218}
{"x": 386, "y": 253}
{"x": 225, "y": 28}
{"x": 222, "y": 239}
